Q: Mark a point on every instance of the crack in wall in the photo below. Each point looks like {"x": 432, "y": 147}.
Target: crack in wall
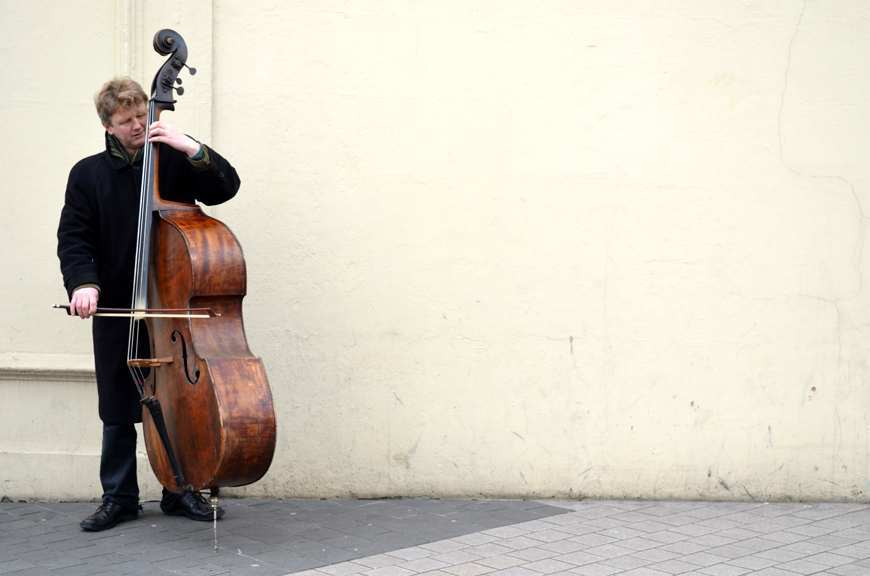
{"x": 858, "y": 249}
{"x": 785, "y": 88}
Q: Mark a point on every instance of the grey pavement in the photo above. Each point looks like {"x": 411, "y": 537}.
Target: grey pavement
{"x": 445, "y": 538}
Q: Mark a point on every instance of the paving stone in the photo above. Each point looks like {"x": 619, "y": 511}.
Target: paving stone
{"x": 476, "y": 539}
{"x": 469, "y": 569}
{"x": 444, "y": 546}
{"x": 487, "y": 550}
{"x": 830, "y": 559}
{"x": 638, "y": 544}
{"x": 575, "y": 558}
{"x": 811, "y": 530}
{"x": 655, "y": 555}
{"x": 567, "y": 520}
{"x": 803, "y": 566}
{"x": 834, "y": 540}
{"x": 560, "y": 547}
{"x": 379, "y": 561}
{"x": 674, "y": 566}
{"x": 731, "y": 551}
{"x": 752, "y": 562}
{"x": 510, "y": 531}
{"x": 594, "y": 539}
{"x": 578, "y": 529}
{"x": 518, "y": 571}
{"x": 627, "y": 562}
{"x": 423, "y": 565}
{"x": 765, "y": 542}
{"x": 704, "y": 559}
{"x": 596, "y": 570}
{"x": 535, "y": 553}
{"x": 501, "y": 562}
{"x": 610, "y": 551}
{"x": 389, "y": 571}
{"x": 724, "y": 570}
{"x": 552, "y": 535}
{"x": 650, "y": 526}
{"x": 693, "y": 529}
{"x": 805, "y": 548}
{"x": 854, "y": 551}
{"x": 456, "y": 557}
{"x": 850, "y": 570}
{"x": 623, "y": 533}
{"x": 684, "y": 548}
{"x": 14, "y": 566}
{"x": 83, "y": 570}
{"x": 341, "y": 569}
{"x": 548, "y": 566}
{"x": 644, "y": 572}
{"x": 409, "y": 554}
{"x": 668, "y": 537}
{"x": 781, "y": 556}
{"x": 715, "y": 539}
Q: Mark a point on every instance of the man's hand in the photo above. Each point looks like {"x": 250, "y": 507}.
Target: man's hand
{"x": 163, "y": 132}
{"x": 84, "y": 302}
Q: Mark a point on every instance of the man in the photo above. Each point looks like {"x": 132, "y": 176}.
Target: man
{"x": 96, "y": 247}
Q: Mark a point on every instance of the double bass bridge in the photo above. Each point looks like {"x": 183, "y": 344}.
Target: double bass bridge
{"x": 148, "y": 362}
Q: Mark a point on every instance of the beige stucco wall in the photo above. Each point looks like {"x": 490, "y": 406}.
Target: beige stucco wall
{"x": 499, "y": 248}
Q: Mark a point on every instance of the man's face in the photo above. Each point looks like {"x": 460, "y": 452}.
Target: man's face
{"x": 128, "y": 126}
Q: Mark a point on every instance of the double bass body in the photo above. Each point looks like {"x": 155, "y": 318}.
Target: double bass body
{"x": 214, "y": 393}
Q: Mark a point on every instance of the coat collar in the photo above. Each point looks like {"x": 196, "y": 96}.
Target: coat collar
{"x": 118, "y": 155}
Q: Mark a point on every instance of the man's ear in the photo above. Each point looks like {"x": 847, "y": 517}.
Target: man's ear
{"x": 108, "y": 129}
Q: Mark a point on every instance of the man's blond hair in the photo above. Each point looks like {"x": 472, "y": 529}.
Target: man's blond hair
{"x": 122, "y": 92}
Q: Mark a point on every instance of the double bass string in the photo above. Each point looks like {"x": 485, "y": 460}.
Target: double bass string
{"x": 143, "y": 244}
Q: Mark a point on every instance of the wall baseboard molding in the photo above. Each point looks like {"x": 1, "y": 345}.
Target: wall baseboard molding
{"x": 47, "y": 367}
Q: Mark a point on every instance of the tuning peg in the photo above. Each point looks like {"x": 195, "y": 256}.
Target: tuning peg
{"x": 178, "y": 63}
{"x": 168, "y": 83}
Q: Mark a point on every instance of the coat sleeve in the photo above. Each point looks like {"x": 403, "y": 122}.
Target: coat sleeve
{"x": 78, "y": 232}
{"x": 215, "y": 184}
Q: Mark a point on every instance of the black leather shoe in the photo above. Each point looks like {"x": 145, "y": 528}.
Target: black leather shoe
{"x": 107, "y": 516}
{"x": 194, "y": 506}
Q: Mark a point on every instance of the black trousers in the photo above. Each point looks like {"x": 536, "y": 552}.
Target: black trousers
{"x": 118, "y": 465}
{"x": 118, "y": 469}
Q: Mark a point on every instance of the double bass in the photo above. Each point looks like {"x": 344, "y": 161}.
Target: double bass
{"x": 208, "y": 415}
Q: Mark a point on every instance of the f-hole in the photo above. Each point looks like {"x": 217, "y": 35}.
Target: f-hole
{"x": 184, "y": 357}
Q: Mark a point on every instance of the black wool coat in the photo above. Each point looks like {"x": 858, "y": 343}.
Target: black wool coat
{"x": 97, "y": 245}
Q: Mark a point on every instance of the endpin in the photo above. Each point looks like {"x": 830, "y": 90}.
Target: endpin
{"x": 214, "y": 507}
